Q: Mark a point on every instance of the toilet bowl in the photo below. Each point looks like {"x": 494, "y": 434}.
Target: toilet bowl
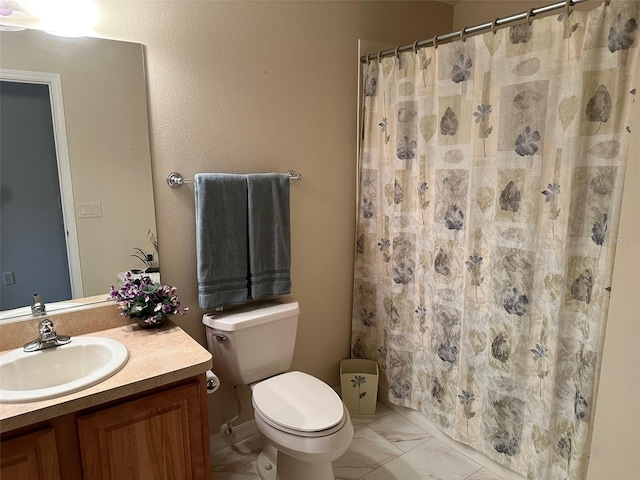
{"x": 303, "y": 424}
{"x": 302, "y": 421}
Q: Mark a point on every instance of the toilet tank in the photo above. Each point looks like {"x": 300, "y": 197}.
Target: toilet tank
{"x": 252, "y": 342}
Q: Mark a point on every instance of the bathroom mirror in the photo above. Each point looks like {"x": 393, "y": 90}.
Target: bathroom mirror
{"x": 109, "y": 192}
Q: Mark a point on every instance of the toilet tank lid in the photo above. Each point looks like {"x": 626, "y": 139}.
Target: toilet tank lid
{"x": 250, "y": 315}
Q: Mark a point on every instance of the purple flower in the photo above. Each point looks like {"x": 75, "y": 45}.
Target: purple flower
{"x": 141, "y": 298}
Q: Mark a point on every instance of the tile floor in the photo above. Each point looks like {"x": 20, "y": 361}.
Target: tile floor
{"x": 385, "y": 446}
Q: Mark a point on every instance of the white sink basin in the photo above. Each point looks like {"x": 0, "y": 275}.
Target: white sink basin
{"x": 49, "y": 373}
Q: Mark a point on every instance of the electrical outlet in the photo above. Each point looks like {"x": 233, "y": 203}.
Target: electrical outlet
{"x": 8, "y": 278}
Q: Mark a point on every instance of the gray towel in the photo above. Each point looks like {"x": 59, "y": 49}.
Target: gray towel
{"x": 221, "y": 239}
{"x": 269, "y": 234}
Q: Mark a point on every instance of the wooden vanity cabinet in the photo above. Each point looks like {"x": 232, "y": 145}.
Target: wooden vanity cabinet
{"x": 155, "y": 437}
{"x": 32, "y": 456}
{"x": 160, "y": 435}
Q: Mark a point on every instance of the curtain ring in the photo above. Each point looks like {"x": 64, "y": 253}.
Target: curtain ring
{"x": 567, "y": 8}
{"x": 396, "y": 52}
{"x": 530, "y": 16}
{"x": 379, "y": 53}
{"x": 462, "y": 34}
{"x": 494, "y": 25}
{"x": 435, "y": 42}
{"x": 415, "y": 47}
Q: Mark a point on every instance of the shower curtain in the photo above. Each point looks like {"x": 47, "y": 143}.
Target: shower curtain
{"x": 490, "y": 183}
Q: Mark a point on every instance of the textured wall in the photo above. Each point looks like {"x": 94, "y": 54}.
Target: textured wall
{"x": 258, "y": 87}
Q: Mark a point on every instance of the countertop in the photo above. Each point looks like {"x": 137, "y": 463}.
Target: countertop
{"x": 157, "y": 357}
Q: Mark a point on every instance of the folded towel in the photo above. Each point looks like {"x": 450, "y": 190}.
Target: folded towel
{"x": 269, "y": 234}
{"x": 221, "y": 239}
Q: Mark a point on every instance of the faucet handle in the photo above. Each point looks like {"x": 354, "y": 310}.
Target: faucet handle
{"x": 45, "y": 328}
{"x": 47, "y": 338}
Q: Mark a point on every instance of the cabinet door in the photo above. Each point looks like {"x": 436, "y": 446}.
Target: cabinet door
{"x": 30, "y": 457}
{"x": 158, "y": 437}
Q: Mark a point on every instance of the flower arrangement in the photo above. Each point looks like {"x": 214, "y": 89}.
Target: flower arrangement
{"x": 146, "y": 300}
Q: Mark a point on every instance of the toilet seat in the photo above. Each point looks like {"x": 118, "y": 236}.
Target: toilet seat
{"x": 298, "y": 403}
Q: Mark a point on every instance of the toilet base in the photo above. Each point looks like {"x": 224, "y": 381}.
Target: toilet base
{"x": 299, "y": 457}
{"x": 289, "y": 468}
{"x": 265, "y": 467}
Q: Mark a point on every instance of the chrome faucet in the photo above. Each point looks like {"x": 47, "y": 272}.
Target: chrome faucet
{"x": 47, "y": 338}
{"x": 37, "y": 305}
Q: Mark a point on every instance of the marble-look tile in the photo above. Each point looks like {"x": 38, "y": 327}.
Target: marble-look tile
{"x": 381, "y": 411}
{"x": 483, "y": 474}
{"x": 367, "y": 451}
{"x": 237, "y": 463}
{"x": 386, "y": 446}
{"x": 430, "y": 461}
{"x": 399, "y": 431}
{"x": 235, "y": 471}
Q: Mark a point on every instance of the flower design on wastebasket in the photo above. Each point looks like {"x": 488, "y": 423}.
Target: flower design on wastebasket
{"x": 357, "y": 382}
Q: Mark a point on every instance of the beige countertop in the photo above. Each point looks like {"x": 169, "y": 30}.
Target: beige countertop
{"x": 157, "y": 357}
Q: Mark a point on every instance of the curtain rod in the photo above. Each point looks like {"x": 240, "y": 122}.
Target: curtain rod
{"x": 466, "y": 31}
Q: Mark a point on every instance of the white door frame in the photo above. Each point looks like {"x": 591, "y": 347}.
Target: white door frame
{"x": 64, "y": 170}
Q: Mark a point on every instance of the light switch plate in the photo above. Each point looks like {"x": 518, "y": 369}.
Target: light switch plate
{"x": 88, "y": 210}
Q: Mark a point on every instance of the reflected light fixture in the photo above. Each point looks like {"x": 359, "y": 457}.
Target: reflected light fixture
{"x": 11, "y": 9}
{"x": 68, "y": 18}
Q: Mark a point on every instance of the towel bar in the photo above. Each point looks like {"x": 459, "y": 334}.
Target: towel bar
{"x": 175, "y": 179}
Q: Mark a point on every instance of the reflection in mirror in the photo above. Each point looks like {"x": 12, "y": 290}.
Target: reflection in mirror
{"x": 88, "y": 98}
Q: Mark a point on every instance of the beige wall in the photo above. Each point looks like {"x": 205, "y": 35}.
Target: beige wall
{"x": 615, "y": 448}
{"x": 257, "y": 87}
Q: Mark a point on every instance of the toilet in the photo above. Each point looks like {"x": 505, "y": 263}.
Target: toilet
{"x": 302, "y": 422}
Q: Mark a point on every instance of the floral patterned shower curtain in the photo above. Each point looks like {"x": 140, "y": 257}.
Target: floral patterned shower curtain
{"x": 489, "y": 192}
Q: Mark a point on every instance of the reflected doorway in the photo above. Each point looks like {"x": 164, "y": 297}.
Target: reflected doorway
{"x": 33, "y": 246}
